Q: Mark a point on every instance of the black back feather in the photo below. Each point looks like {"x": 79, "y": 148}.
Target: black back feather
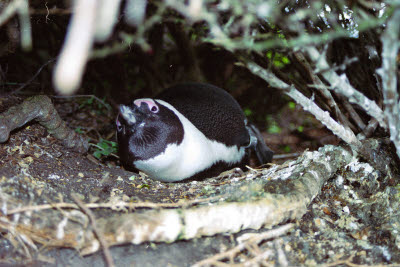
{"x": 211, "y": 109}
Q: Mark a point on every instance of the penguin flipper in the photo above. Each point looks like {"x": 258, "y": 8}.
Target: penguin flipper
{"x": 263, "y": 152}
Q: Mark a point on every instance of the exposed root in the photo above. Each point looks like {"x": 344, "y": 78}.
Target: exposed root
{"x": 41, "y": 109}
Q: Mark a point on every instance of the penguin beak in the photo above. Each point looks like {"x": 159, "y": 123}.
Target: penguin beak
{"x": 128, "y": 114}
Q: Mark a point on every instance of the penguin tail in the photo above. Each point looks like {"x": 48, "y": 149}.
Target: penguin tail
{"x": 257, "y": 144}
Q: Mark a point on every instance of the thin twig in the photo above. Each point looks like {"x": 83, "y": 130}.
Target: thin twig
{"x": 107, "y": 106}
{"x": 33, "y": 77}
{"x": 256, "y": 239}
{"x": 370, "y": 128}
{"x": 257, "y": 260}
{"x": 50, "y": 11}
{"x": 96, "y": 230}
{"x": 341, "y": 67}
{"x": 353, "y": 114}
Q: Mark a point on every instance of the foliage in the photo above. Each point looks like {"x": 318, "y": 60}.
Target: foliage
{"x": 278, "y": 59}
{"x": 99, "y": 106}
{"x": 273, "y": 127}
{"x": 79, "y": 130}
{"x": 104, "y": 148}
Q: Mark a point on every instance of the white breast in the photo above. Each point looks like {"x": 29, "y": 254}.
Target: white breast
{"x": 195, "y": 154}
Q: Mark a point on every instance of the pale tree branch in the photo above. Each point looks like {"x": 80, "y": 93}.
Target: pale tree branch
{"x": 20, "y": 7}
{"x": 77, "y": 46}
{"x": 323, "y": 89}
{"x": 388, "y": 72}
{"x": 308, "y": 104}
{"x": 342, "y": 86}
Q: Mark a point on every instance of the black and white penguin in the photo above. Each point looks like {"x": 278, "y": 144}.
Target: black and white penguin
{"x": 187, "y": 131}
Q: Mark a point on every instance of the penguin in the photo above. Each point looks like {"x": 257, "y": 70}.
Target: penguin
{"x": 188, "y": 131}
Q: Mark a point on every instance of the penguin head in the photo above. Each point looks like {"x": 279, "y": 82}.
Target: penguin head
{"x": 144, "y": 129}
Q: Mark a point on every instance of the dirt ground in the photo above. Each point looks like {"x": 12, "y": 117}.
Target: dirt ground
{"x": 355, "y": 219}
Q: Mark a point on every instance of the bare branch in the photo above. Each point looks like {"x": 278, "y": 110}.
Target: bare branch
{"x": 345, "y": 134}
{"x": 388, "y": 72}
{"x": 353, "y": 114}
{"x": 323, "y": 116}
{"x": 341, "y": 85}
{"x": 21, "y": 7}
{"x": 25, "y": 24}
{"x": 323, "y": 89}
{"x": 77, "y": 46}
{"x": 9, "y": 11}
{"x": 135, "y": 12}
{"x": 106, "y": 18}
{"x": 129, "y": 39}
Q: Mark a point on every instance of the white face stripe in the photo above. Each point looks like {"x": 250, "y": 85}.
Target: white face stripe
{"x": 196, "y": 153}
{"x": 127, "y": 113}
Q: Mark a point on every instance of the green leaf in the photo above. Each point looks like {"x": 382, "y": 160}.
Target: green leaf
{"x": 273, "y": 126}
{"x": 247, "y": 112}
{"x": 79, "y": 130}
{"x": 105, "y": 148}
{"x": 97, "y": 154}
{"x": 274, "y": 129}
{"x": 278, "y": 64}
{"x": 285, "y": 60}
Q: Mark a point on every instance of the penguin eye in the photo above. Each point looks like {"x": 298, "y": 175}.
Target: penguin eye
{"x": 154, "y": 109}
{"x": 120, "y": 127}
